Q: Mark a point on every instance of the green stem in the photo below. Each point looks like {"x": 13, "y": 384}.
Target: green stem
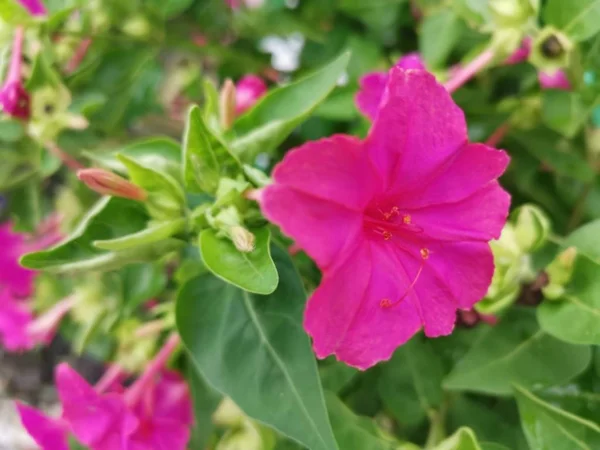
{"x": 437, "y": 426}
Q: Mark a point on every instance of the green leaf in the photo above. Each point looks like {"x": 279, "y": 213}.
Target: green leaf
{"x": 205, "y": 400}
{"x": 170, "y": 8}
{"x": 548, "y": 427}
{"x": 205, "y": 158}
{"x": 253, "y": 349}
{"x": 476, "y": 12}
{"x": 140, "y": 283}
{"x": 150, "y": 235}
{"x": 13, "y": 13}
{"x": 566, "y": 112}
{"x": 166, "y": 199}
{"x": 517, "y": 351}
{"x": 579, "y": 305}
{"x": 585, "y": 239}
{"x": 275, "y": 116}
{"x": 353, "y": 432}
{"x": 580, "y": 19}
{"x": 109, "y": 218}
{"x": 162, "y": 154}
{"x": 463, "y": 439}
{"x": 253, "y": 271}
{"x": 336, "y": 375}
{"x": 439, "y": 34}
{"x": 410, "y": 385}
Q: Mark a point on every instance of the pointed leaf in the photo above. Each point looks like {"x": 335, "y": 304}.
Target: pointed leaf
{"x": 517, "y": 351}
{"x": 548, "y": 427}
{"x": 253, "y": 349}
{"x": 153, "y": 233}
{"x": 275, "y": 116}
{"x": 205, "y": 158}
{"x": 253, "y": 271}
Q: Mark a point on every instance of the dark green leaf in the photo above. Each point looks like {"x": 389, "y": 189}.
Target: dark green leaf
{"x": 548, "y": 427}
{"x": 566, "y": 112}
{"x": 206, "y": 400}
{"x": 517, "y": 351}
{"x": 273, "y": 118}
{"x": 253, "y": 349}
{"x": 580, "y": 19}
{"x": 439, "y": 34}
{"x": 253, "y": 271}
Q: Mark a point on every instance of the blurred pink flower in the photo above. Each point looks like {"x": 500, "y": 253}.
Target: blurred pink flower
{"x": 14, "y": 279}
{"x": 14, "y": 99}
{"x": 47, "y": 432}
{"x": 251, "y": 4}
{"x": 399, "y": 223}
{"x": 521, "y": 54}
{"x": 35, "y": 7}
{"x": 372, "y": 85}
{"x": 247, "y": 92}
{"x": 556, "y": 80}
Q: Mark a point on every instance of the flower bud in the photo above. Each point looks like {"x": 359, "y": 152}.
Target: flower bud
{"x": 551, "y": 50}
{"x": 107, "y": 183}
{"x": 243, "y": 239}
{"x": 512, "y": 13}
{"x": 556, "y": 80}
{"x": 532, "y": 228}
{"x": 137, "y": 27}
{"x": 559, "y": 272}
{"x": 248, "y": 91}
{"x": 228, "y": 414}
{"x": 250, "y": 436}
{"x": 227, "y": 104}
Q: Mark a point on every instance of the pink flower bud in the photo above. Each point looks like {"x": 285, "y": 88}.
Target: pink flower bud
{"x": 556, "y": 80}
{"x": 14, "y": 99}
{"x": 248, "y": 91}
{"x": 108, "y": 183}
{"x": 227, "y": 103}
{"x": 35, "y": 7}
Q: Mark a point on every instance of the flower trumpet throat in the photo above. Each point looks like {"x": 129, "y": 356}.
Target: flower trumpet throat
{"x": 107, "y": 183}
{"x": 399, "y": 223}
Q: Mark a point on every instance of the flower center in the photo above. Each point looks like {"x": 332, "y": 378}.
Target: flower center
{"x": 389, "y": 224}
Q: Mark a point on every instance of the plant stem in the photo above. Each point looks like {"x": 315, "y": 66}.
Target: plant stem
{"x": 498, "y": 134}
{"x": 469, "y": 71}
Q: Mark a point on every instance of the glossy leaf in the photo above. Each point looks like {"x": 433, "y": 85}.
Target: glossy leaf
{"x": 166, "y": 198}
{"x": 150, "y": 235}
{"x": 580, "y": 19}
{"x": 410, "y": 383}
{"x": 253, "y": 271}
{"x": 205, "y": 158}
{"x": 548, "y": 427}
{"x": 353, "y": 432}
{"x": 517, "y": 351}
{"x": 109, "y": 218}
{"x": 275, "y": 116}
{"x": 253, "y": 349}
{"x": 439, "y": 34}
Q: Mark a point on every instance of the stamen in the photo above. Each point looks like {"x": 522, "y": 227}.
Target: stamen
{"x": 406, "y": 219}
{"x": 387, "y": 303}
{"x": 387, "y": 235}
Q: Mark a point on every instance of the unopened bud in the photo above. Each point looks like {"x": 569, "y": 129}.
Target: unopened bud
{"x": 137, "y": 27}
{"x": 228, "y": 414}
{"x": 559, "y": 272}
{"x": 107, "y": 183}
{"x": 242, "y": 239}
{"x": 532, "y": 227}
{"x": 512, "y": 13}
{"x": 227, "y": 104}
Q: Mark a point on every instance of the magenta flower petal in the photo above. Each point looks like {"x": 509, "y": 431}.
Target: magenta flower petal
{"x": 247, "y": 92}
{"x": 411, "y": 61}
{"x": 99, "y": 421}
{"x": 371, "y": 91}
{"x": 48, "y": 433}
{"x": 15, "y": 318}
{"x": 16, "y": 279}
{"x": 521, "y": 54}
{"x": 418, "y": 129}
{"x": 556, "y": 80}
{"x": 35, "y": 7}
{"x": 402, "y": 239}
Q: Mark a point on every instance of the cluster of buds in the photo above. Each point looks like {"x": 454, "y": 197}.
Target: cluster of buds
{"x": 242, "y": 433}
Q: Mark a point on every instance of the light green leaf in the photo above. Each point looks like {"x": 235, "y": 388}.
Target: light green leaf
{"x": 253, "y": 271}
{"x": 566, "y": 112}
{"x": 275, "y": 116}
{"x": 550, "y": 428}
{"x": 517, "y": 351}
{"x": 439, "y": 34}
{"x": 476, "y": 12}
{"x": 109, "y": 218}
{"x": 410, "y": 383}
{"x": 13, "y": 13}
{"x": 166, "y": 199}
{"x": 205, "y": 158}
{"x": 150, "y": 235}
{"x": 253, "y": 349}
{"x": 353, "y": 432}
{"x": 580, "y": 19}
{"x": 463, "y": 439}
{"x": 585, "y": 239}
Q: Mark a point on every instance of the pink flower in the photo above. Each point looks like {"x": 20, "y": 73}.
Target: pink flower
{"x": 47, "y": 432}
{"x": 521, "y": 54}
{"x": 247, "y": 92}
{"x": 35, "y": 7}
{"x": 372, "y": 85}
{"x": 14, "y": 99}
{"x": 14, "y": 278}
{"x": 398, "y": 223}
{"x": 15, "y": 317}
{"x": 556, "y": 80}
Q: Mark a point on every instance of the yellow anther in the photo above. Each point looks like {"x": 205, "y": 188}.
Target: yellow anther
{"x": 424, "y": 253}
{"x": 406, "y": 219}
